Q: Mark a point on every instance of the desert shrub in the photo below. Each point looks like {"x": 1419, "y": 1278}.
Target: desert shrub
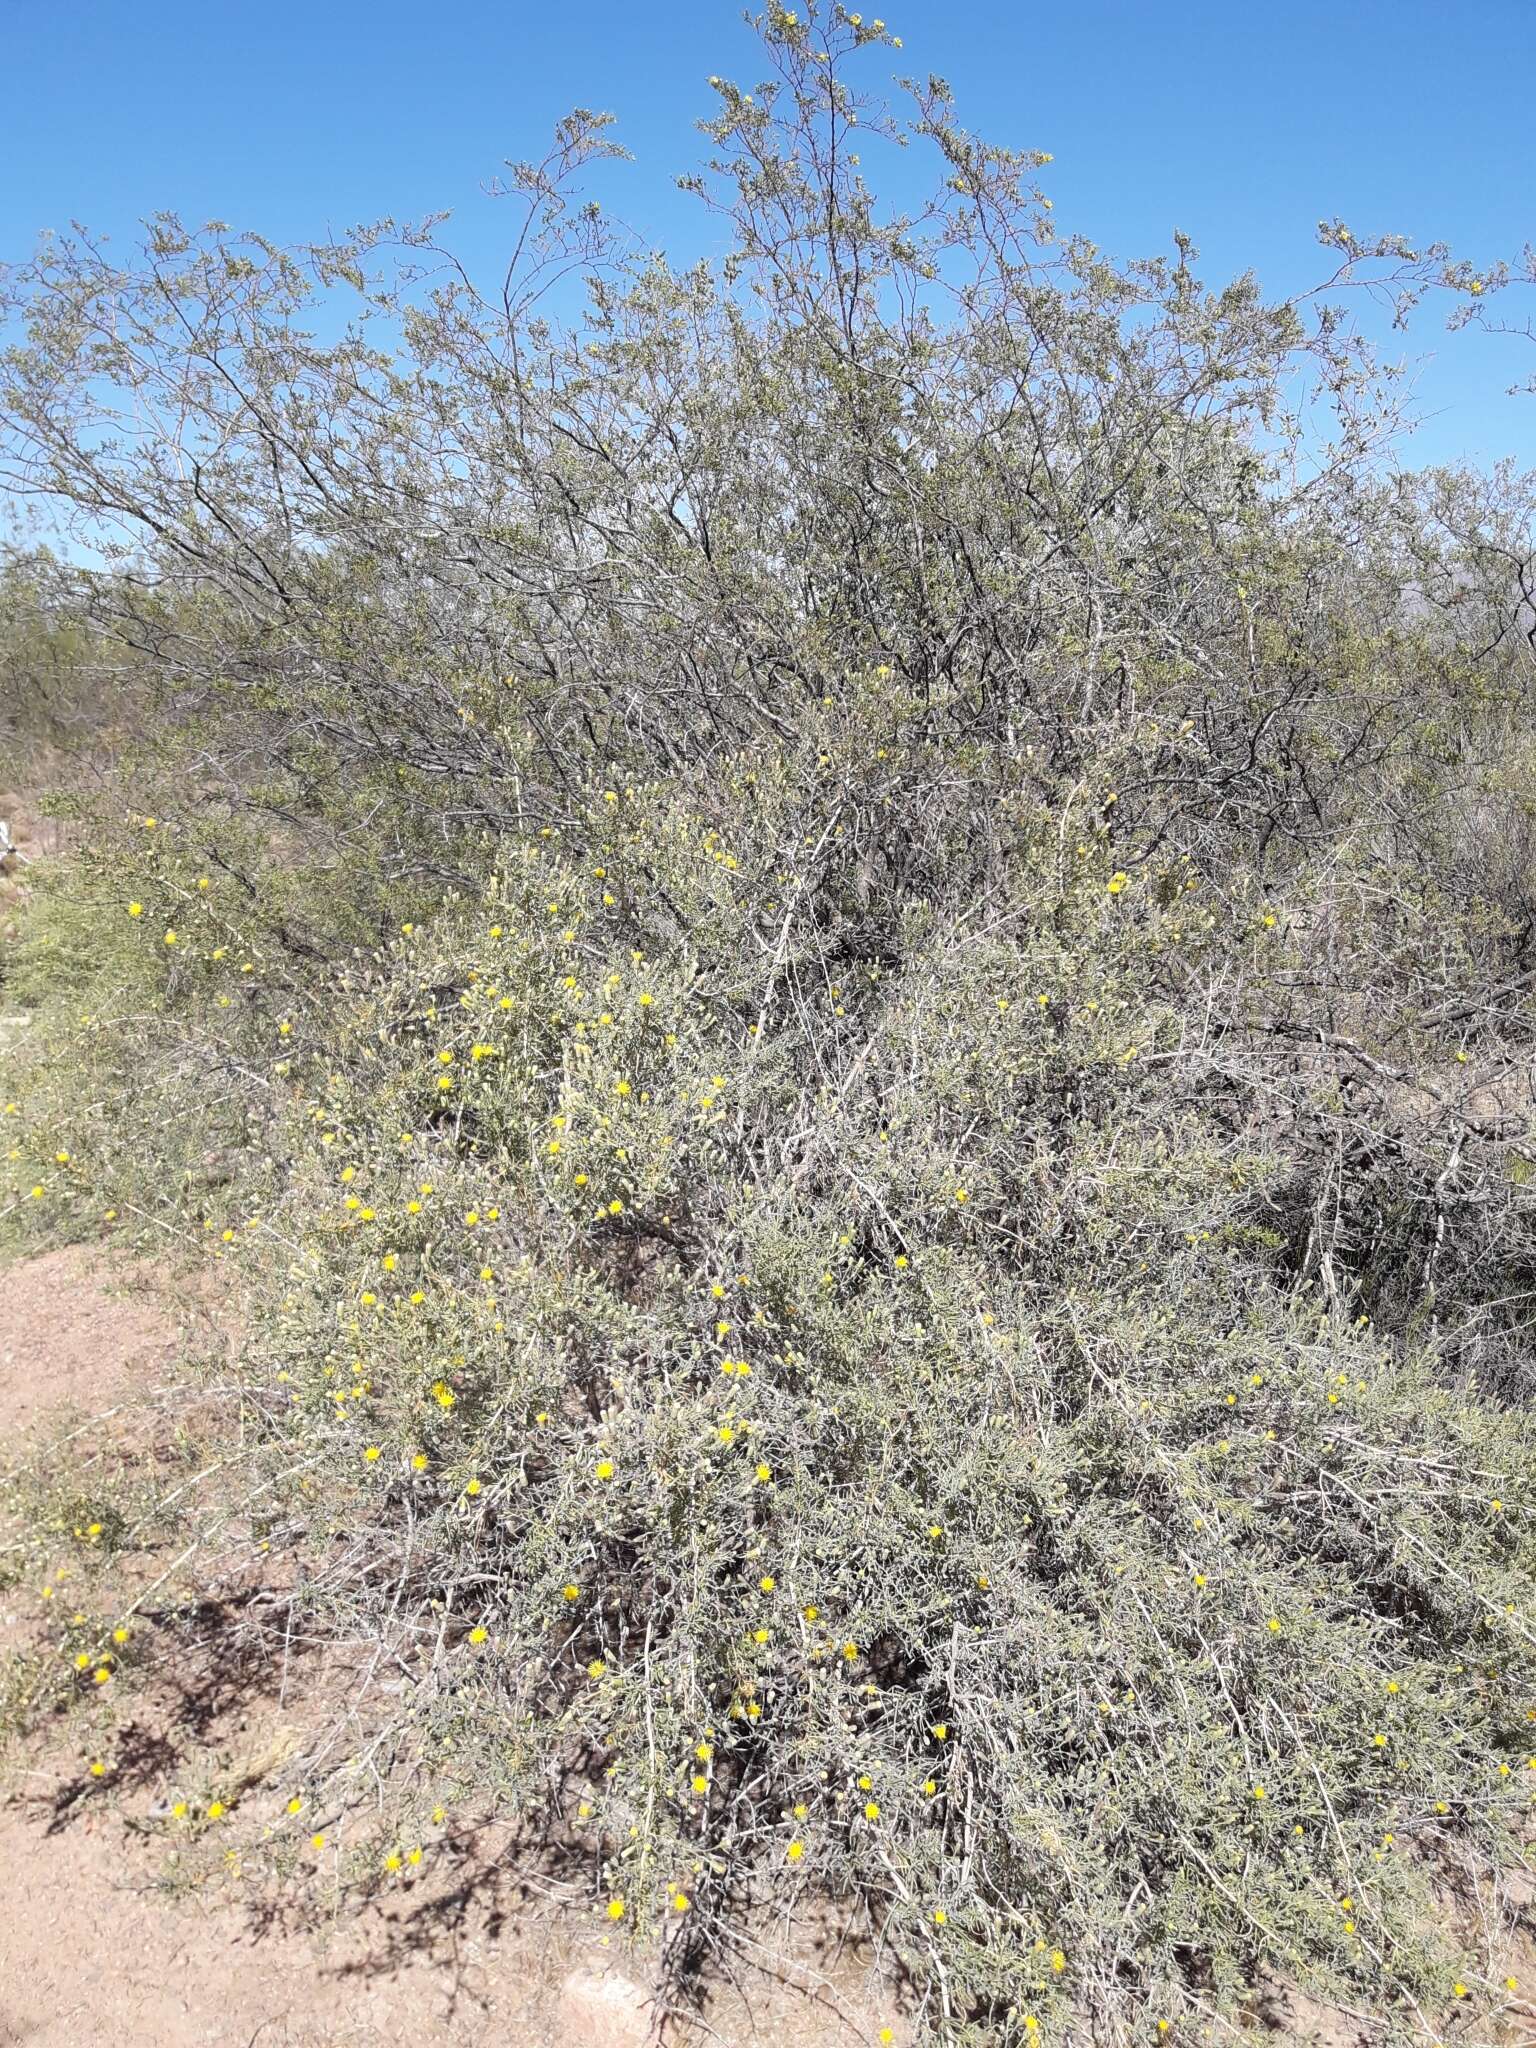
{"x": 848, "y": 997}
{"x": 858, "y": 1434}
{"x": 62, "y": 692}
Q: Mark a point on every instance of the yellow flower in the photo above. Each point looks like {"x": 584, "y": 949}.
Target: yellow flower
{"x": 1117, "y": 882}
{"x": 681, "y": 1903}
{"x": 795, "y": 1851}
{"x": 604, "y": 1468}
{"x": 1258, "y": 1792}
{"x": 135, "y": 910}
{"x": 615, "y": 1909}
{"x": 478, "y": 1635}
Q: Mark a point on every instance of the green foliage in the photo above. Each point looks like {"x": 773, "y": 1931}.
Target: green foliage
{"x": 57, "y": 687}
{"x": 879, "y": 1446}
{"x": 849, "y": 1000}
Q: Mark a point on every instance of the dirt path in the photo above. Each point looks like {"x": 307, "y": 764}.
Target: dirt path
{"x": 474, "y": 1951}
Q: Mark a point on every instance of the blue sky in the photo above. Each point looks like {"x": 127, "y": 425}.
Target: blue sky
{"x": 1242, "y": 125}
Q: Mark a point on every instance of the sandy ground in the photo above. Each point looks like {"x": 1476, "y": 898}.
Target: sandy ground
{"x": 477, "y": 1949}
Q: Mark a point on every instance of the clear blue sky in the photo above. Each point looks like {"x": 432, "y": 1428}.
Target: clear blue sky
{"x": 1243, "y": 125}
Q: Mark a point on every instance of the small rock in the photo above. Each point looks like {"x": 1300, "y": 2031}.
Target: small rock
{"x": 604, "y": 2010}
